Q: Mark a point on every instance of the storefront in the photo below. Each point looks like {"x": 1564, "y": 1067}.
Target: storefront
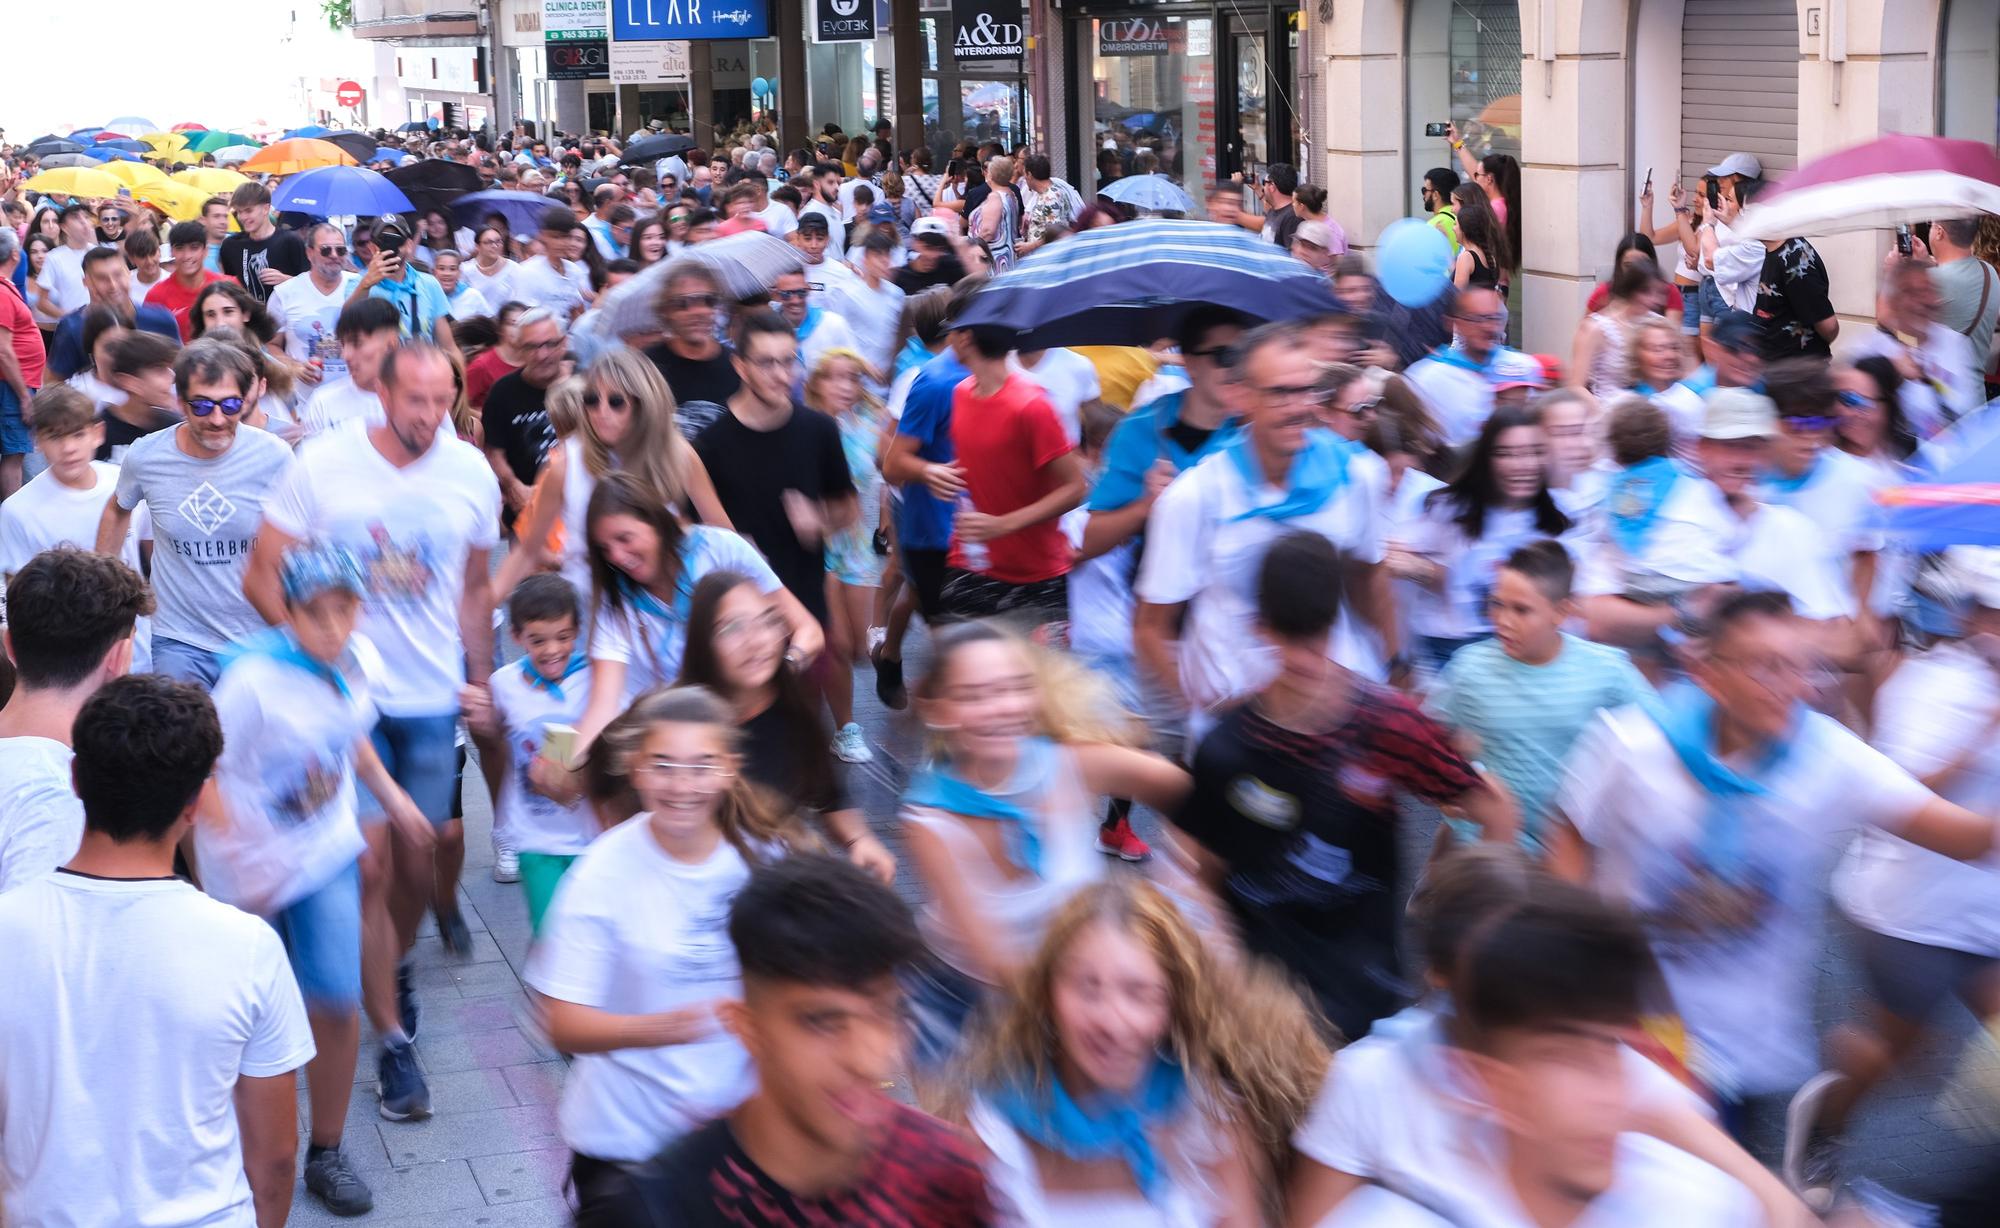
{"x": 1201, "y": 91}
{"x": 445, "y": 84}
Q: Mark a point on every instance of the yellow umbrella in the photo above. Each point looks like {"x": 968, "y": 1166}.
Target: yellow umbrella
{"x": 165, "y": 141}
{"x": 132, "y": 174}
{"x": 210, "y": 179}
{"x": 178, "y": 201}
{"x": 295, "y": 155}
{"x": 76, "y": 181}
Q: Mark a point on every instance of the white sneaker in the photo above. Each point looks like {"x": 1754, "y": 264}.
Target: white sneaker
{"x": 877, "y": 636}
{"x": 850, "y": 745}
{"x": 506, "y": 865}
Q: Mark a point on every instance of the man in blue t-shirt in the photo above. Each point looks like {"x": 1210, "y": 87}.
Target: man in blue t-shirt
{"x": 109, "y": 281}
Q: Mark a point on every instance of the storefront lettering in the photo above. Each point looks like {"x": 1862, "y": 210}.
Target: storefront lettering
{"x": 841, "y": 21}
{"x": 1133, "y": 36}
{"x": 984, "y": 31}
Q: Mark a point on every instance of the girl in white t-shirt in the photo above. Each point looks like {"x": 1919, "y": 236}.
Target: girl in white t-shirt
{"x": 1135, "y": 1079}
{"x": 635, "y": 954}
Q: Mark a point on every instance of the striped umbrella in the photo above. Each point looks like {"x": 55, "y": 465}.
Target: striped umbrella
{"x": 1960, "y": 504}
{"x": 1888, "y": 182}
{"x": 1134, "y": 283}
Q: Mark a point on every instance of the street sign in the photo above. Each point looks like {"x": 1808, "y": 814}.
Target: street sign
{"x": 349, "y": 94}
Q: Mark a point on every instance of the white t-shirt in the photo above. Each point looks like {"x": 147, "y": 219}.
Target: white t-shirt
{"x": 1742, "y": 978}
{"x": 537, "y": 284}
{"x": 1070, "y": 379}
{"x": 650, "y": 643}
{"x": 1199, "y": 552}
{"x": 874, "y": 316}
{"x": 287, "y": 778}
{"x": 830, "y": 332}
{"x": 337, "y": 402}
{"x": 62, "y": 277}
{"x": 1461, "y": 396}
{"x": 412, "y": 528}
{"x": 632, "y": 931}
{"x": 829, "y": 280}
{"x": 132, "y": 1009}
{"x": 836, "y": 226}
{"x": 1952, "y": 385}
{"x": 1933, "y": 709}
{"x": 1838, "y": 496}
{"x": 496, "y": 287}
{"x": 308, "y": 317}
{"x": 140, "y": 289}
{"x": 1470, "y": 567}
{"x": 1100, "y": 596}
{"x": 41, "y": 820}
{"x": 44, "y": 514}
{"x": 538, "y": 824}
{"x": 778, "y": 218}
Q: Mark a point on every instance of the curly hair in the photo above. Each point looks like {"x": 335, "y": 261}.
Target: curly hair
{"x": 145, "y": 745}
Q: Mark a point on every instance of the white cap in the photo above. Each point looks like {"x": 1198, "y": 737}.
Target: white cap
{"x": 1742, "y": 164}
{"x": 930, "y": 226}
{"x": 1977, "y": 569}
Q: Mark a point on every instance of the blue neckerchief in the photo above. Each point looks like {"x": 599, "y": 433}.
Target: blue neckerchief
{"x": 642, "y": 598}
{"x": 806, "y": 326}
{"x": 936, "y": 785}
{"x": 1110, "y": 1128}
{"x": 1453, "y": 356}
{"x": 282, "y": 644}
{"x": 1317, "y": 474}
{"x": 1645, "y": 390}
{"x": 578, "y": 662}
{"x": 1634, "y": 499}
{"x": 1701, "y": 382}
{"x": 915, "y": 354}
{"x": 1686, "y": 717}
{"x": 1791, "y": 484}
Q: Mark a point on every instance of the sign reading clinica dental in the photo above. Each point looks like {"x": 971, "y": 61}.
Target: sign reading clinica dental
{"x": 987, "y": 29}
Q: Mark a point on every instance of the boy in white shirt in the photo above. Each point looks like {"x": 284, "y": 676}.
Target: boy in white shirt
{"x": 548, "y": 687}
{"x": 61, "y": 505}
{"x": 367, "y": 330}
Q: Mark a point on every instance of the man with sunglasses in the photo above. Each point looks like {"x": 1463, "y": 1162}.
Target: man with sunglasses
{"x": 1458, "y": 380}
{"x": 516, "y": 416}
{"x": 692, "y": 359}
{"x": 204, "y": 484}
{"x": 1824, "y": 484}
{"x": 308, "y": 308}
{"x": 819, "y": 329}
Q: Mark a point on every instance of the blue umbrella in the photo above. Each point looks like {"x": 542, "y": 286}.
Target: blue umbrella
{"x": 310, "y": 130}
{"x": 84, "y": 134}
{"x": 1155, "y": 192}
{"x": 107, "y": 153}
{"x": 1959, "y": 505}
{"x": 340, "y": 191}
{"x": 1134, "y": 283}
{"x": 524, "y": 211}
{"x": 129, "y": 146}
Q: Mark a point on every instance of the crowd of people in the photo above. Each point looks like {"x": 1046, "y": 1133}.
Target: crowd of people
{"x": 312, "y": 527}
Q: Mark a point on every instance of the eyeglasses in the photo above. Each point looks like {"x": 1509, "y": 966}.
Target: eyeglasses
{"x": 792, "y": 296}
{"x": 1857, "y": 400}
{"x": 768, "y": 623}
{"x": 204, "y": 406}
{"x": 1279, "y": 394}
{"x": 687, "y": 302}
{"x": 702, "y": 777}
{"x": 542, "y": 347}
{"x": 1362, "y": 408}
{"x": 333, "y": 249}
{"x": 773, "y": 364}
{"x": 676, "y": 217}
{"x": 611, "y": 400}
{"x": 1490, "y": 317}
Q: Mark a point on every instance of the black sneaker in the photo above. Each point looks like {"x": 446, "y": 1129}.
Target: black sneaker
{"x": 406, "y": 1002}
{"x": 403, "y": 1091}
{"x": 889, "y": 682}
{"x": 332, "y": 1180}
{"x": 455, "y": 935}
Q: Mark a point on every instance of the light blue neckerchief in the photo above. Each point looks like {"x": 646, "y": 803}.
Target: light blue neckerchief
{"x": 938, "y": 786}
{"x": 806, "y": 326}
{"x": 1791, "y": 484}
{"x": 1317, "y": 474}
{"x": 1453, "y": 356}
{"x": 577, "y": 663}
{"x": 282, "y": 644}
{"x": 915, "y": 354}
{"x": 1634, "y": 499}
{"x": 1686, "y": 717}
{"x": 643, "y": 600}
{"x": 1111, "y": 1128}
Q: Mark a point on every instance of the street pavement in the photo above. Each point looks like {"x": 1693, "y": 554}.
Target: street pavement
{"x": 491, "y": 1155}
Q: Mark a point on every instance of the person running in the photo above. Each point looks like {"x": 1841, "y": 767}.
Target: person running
{"x": 634, "y": 961}
{"x": 696, "y": 365}
{"x": 423, "y": 312}
{"x": 517, "y": 433}
{"x": 260, "y": 256}
{"x": 107, "y": 283}
{"x": 1820, "y": 482}
{"x": 856, "y": 554}
{"x": 200, "y": 1125}
{"x": 553, "y": 278}
{"x": 1134, "y": 1078}
{"x": 366, "y": 330}
{"x": 204, "y": 484}
{"x": 1457, "y": 382}
{"x": 62, "y": 505}
{"x": 307, "y": 309}
{"x": 187, "y": 248}
{"x": 490, "y": 272}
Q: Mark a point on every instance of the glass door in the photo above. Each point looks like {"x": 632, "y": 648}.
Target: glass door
{"x": 1150, "y": 105}
{"x": 1248, "y": 147}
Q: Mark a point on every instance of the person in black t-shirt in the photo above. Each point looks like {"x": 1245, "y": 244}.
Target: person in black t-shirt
{"x": 1294, "y": 800}
{"x": 694, "y": 362}
{"x": 822, "y": 1016}
{"x": 516, "y": 417}
{"x": 1793, "y": 302}
{"x": 142, "y": 367}
{"x": 261, "y": 258}
{"x": 932, "y": 262}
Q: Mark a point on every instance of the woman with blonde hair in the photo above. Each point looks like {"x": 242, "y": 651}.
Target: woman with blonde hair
{"x": 624, "y": 421}
{"x": 1136, "y": 1079}
{"x": 836, "y": 388}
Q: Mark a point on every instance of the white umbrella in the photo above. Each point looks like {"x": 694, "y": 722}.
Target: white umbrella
{"x": 746, "y": 264}
{"x": 1893, "y": 181}
{"x": 234, "y": 155}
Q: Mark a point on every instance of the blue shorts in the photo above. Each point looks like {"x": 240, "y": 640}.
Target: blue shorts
{"x": 322, "y": 934}
{"x": 1712, "y": 305}
{"x": 186, "y": 663}
{"x": 1690, "y": 309}
{"x": 421, "y": 754}
{"x": 15, "y": 439}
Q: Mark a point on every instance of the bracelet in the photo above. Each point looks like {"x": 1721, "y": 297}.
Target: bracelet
{"x": 1682, "y": 209}
{"x": 1458, "y": 144}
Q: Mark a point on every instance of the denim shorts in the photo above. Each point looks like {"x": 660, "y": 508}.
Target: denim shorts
{"x": 15, "y": 439}
{"x": 421, "y": 753}
{"x": 186, "y": 663}
{"x": 1690, "y": 310}
{"x": 322, "y": 934}
{"x": 1712, "y": 305}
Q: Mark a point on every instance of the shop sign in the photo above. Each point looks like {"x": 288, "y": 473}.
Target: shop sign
{"x": 649, "y": 63}
{"x": 1133, "y": 36}
{"x": 573, "y": 20}
{"x": 842, "y": 21}
{"x": 652, "y": 20}
{"x": 579, "y": 60}
{"x": 987, "y": 29}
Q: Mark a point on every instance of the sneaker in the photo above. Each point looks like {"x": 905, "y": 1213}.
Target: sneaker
{"x": 406, "y": 1002}
{"x": 877, "y": 636}
{"x": 1119, "y": 840}
{"x": 332, "y": 1180}
{"x": 506, "y": 865}
{"x": 1812, "y": 1153}
{"x": 850, "y": 745}
{"x": 456, "y": 935}
{"x": 889, "y": 682}
{"x": 404, "y": 1093}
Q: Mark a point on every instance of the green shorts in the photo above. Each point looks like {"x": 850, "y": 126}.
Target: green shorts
{"x": 540, "y": 872}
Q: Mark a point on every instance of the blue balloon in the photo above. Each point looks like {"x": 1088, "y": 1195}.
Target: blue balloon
{"x": 759, "y": 87}
{"x": 1413, "y": 261}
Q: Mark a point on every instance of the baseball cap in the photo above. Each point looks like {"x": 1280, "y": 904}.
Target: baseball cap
{"x": 311, "y": 570}
{"x": 390, "y": 231}
{"x": 1742, "y": 164}
{"x": 1738, "y": 413}
{"x": 815, "y": 221}
{"x": 930, "y": 226}
{"x": 1314, "y": 232}
{"x": 1738, "y": 331}
{"x": 881, "y": 212}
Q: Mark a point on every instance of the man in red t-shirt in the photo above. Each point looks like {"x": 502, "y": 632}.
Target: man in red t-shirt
{"x": 22, "y": 364}
{"x": 187, "y": 243}
{"x": 1009, "y": 557}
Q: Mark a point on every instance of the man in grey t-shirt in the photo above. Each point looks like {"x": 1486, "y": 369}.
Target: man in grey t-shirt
{"x": 204, "y": 483}
{"x": 1968, "y": 287}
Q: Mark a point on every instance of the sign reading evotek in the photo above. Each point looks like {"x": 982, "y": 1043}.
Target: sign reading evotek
{"x": 986, "y": 29}
{"x": 843, "y": 21}
{"x": 1132, "y": 36}
{"x": 641, "y": 20}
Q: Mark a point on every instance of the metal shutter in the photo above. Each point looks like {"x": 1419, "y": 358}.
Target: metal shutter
{"x": 1739, "y": 84}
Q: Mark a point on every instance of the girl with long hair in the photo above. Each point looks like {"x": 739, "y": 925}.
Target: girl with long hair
{"x": 648, "y": 244}
{"x": 1483, "y": 254}
{"x": 1134, "y": 1078}
{"x": 835, "y": 388}
{"x": 634, "y": 954}
{"x": 999, "y": 819}
{"x": 1601, "y": 352}
{"x": 225, "y": 302}
{"x": 736, "y": 642}
{"x": 1500, "y": 502}
{"x": 35, "y": 251}
{"x": 489, "y": 271}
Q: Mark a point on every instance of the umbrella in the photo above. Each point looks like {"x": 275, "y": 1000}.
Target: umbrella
{"x": 745, "y": 263}
{"x": 128, "y": 144}
{"x": 75, "y": 181}
{"x": 416, "y": 125}
{"x": 358, "y": 146}
{"x": 132, "y": 174}
{"x": 132, "y": 123}
{"x": 54, "y": 145}
{"x": 310, "y": 130}
{"x": 340, "y": 191}
{"x": 432, "y": 183}
{"x": 1155, "y": 192}
{"x": 1960, "y": 505}
{"x": 209, "y": 142}
{"x": 55, "y": 161}
{"x": 211, "y": 179}
{"x": 105, "y": 134}
{"x": 1887, "y": 182}
{"x": 178, "y": 201}
{"x": 295, "y": 155}
{"x": 653, "y": 148}
{"x": 165, "y": 140}
{"x": 234, "y": 155}
{"x": 523, "y": 210}
{"x": 83, "y": 134}
{"x": 189, "y": 128}
{"x": 1134, "y": 283}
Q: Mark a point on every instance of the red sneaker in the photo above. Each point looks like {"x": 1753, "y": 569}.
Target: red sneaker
{"x": 1119, "y": 840}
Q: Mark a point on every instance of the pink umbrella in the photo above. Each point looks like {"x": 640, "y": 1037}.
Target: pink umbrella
{"x": 1888, "y": 182}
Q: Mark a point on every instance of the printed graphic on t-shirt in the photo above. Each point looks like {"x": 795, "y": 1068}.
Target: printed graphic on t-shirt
{"x": 207, "y": 508}
{"x": 303, "y": 793}
{"x": 399, "y": 570}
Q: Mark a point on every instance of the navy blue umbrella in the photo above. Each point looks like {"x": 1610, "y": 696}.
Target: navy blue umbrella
{"x": 524, "y": 211}
{"x": 340, "y": 191}
{"x": 1133, "y": 283}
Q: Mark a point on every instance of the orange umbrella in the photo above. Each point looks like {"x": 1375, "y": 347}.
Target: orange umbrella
{"x": 297, "y": 154}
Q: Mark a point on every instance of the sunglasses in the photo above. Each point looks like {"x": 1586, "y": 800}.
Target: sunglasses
{"x": 1804, "y": 423}
{"x": 790, "y": 296}
{"x": 1221, "y": 355}
{"x": 204, "y": 406}
{"x": 688, "y": 301}
{"x": 611, "y": 400}
{"x": 333, "y": 249}
{"x": 1363, "y": 408}
{"x": 1856, "y": 400}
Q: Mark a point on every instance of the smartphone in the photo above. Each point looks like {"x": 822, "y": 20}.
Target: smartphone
{"x": 1435, "y": 129}
{"x": 1714, "y": 194}
{"x": 1649, "y": 179}
{"x": 559, "y": 744}
{"x": 1903, "y": 244}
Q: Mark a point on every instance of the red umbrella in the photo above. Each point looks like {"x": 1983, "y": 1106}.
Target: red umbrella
{"x": 1888, "y": 182}
{"x": 110, "y": 136}
{"x": 189, "y": 128}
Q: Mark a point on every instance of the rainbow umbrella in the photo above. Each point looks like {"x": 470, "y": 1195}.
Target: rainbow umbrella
{"x": 1960, "y": 504}
{"x": 295, "y": 155}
